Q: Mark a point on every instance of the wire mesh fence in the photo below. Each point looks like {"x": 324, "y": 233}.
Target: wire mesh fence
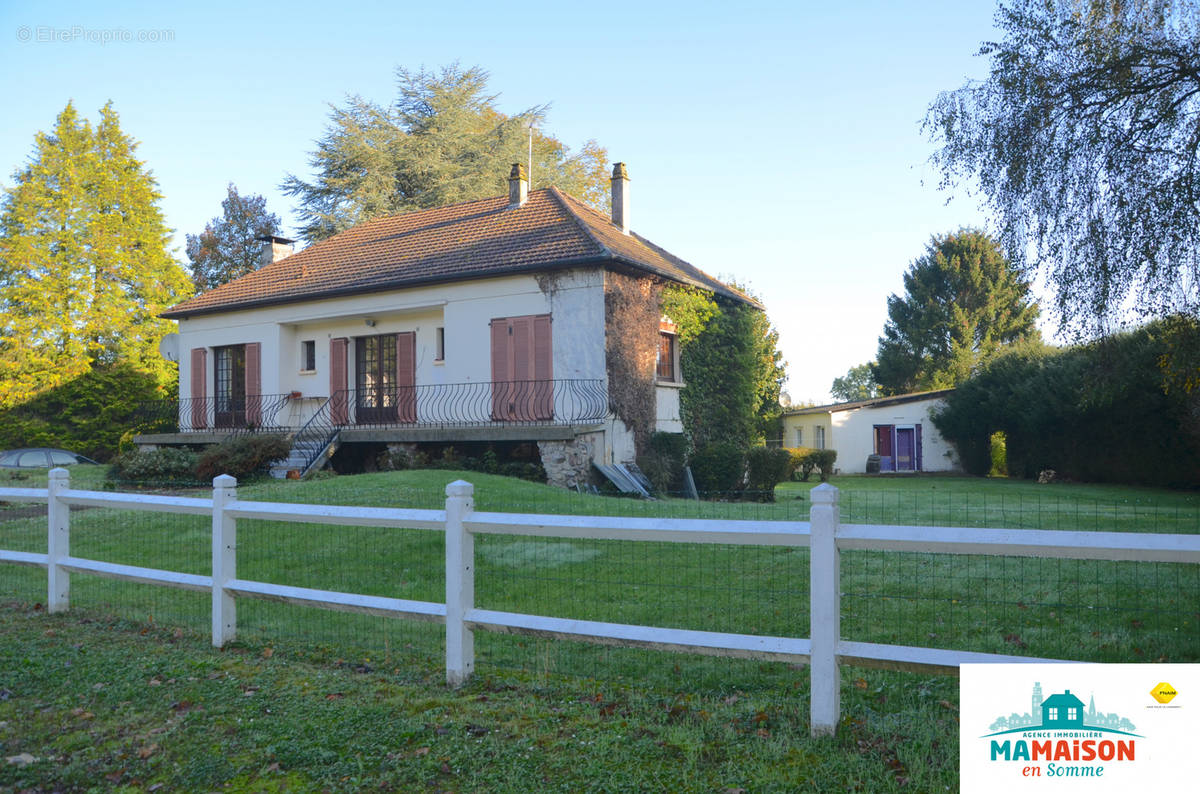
{"x": 1084, "y": 610}
{"x": 1071, "y": 609}
{"x": 23, "y": 528}
{"x": 164, "y": 541}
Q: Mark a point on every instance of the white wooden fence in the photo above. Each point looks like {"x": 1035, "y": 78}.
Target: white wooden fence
{"x": 824, "y": 650}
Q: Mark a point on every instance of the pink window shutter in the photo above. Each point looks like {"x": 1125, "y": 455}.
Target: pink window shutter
{"x": 254, "y": 383}
{"x": 406, "y": 376}
{"x": 542, "y": 370}
{"x": 199, "y": 412}
{"x": 338, "y": 398}
{"x": 522, "y": 358}
{"x": 501, "y": 369}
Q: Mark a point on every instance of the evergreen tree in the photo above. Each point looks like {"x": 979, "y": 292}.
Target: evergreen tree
{"x": 229, "y": 246}
{"x": 963, "y": 301}
{"x": 443, "y": 142}
{"x": 84, "y": 267}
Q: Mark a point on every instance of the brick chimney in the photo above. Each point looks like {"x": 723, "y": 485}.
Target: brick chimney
{"x": 518, "y": 187}
{"x": 274, "y": 248}
{"x": 620, "y": 197}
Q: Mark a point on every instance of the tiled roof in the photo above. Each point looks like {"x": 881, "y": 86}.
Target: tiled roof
{"x": 874, "y": 402}
{"x": 476, "y": 239}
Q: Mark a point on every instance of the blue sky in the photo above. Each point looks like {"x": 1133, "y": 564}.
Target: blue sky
{"x": 776, "y": 143}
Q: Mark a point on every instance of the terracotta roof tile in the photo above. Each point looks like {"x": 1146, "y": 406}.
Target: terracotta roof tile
{"x": 476, "y": 239}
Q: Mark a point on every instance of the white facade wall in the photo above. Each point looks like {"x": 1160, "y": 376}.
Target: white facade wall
{"x": 574, "y": 299}
{"x": 667, "y": 415}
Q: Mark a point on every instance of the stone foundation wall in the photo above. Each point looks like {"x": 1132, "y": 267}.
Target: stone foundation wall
{"x": 569, "y": 463}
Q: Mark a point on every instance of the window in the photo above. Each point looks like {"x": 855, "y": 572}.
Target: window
{"x": 230, "y": 385}
{"x": 667, "y": 359}
{"x": 32, "y": 460}
{"x": 308, "y": 355}
{"x": 60, "y": 458}
{"x": 441, "y": 345}
{"x": 1072, "y": 713}
{"x": 799, "y": 436}
{"x": 819, "y": 437}
{"x": 522, "y": 369}
{"x": 1052, "y": 714}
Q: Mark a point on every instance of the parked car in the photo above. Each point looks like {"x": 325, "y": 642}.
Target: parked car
{"x": 39, "y": 458}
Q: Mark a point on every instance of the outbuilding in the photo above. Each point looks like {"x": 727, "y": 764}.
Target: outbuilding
{"x": 898, "y": 429}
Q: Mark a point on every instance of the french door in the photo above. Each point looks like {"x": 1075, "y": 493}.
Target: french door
{"x": 385, "y": 378}
{"x": 229, "y": 384}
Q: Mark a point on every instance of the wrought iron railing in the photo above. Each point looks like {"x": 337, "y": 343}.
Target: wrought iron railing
{"x": 213, "y": 414}
{"x": 432, "y": 405}
{"x": 531, "y": 402}
{"x": 313, "y": 440}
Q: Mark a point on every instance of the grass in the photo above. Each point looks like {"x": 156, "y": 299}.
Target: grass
{"x": 1097, "y": 611}
{"x": 109, "y": 705}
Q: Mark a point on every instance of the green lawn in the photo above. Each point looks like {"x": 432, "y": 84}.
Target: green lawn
{"x": 116, "y": 706}
{"x": 1061, "y": 609}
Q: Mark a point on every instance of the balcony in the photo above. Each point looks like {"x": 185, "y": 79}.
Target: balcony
{"x": 511, "y": 406}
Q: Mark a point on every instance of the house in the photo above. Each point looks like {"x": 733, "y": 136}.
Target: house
{"x": 519, "y": 318}
{"x": 1063, "y": 710}
{"x": 897, "y": 429}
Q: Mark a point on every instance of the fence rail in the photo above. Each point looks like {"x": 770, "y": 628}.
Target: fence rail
{"x": 824, "y": 649}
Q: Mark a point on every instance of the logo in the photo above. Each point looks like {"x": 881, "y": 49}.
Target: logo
{"x": 1059, "y": 728}
{"x": 1163, "y": 692}
{"x": 1026, "y": 726}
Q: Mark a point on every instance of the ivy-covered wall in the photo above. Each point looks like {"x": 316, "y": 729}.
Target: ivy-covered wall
{"x": 731, "y": 365}
{"x": 632, "y": 308}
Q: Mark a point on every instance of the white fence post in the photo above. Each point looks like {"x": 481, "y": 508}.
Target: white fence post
{"x": 460, "y": 583}
{"x": 58, "y": 543}
{"x": 224, "y": 561}
{"x": 824, "y": 611}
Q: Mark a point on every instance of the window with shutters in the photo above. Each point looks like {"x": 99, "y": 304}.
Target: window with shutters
{"x": 522, "y": 369}
{"x": 229, "y": 385}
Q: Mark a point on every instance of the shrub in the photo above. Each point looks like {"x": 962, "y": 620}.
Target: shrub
{"x": 824, "y": 459}
{"x": 802, "y": 463}
{"x": 795, "y": 458}
{"x": 166, "y": 465}
{"x": 664, "y": 460}
{"x": 718, "y": 468}
{"x": 765, "y": 468}
{"x": 89, "y": 414}
{"x": 243, "y": 456}
{"x": 806, "y": 461}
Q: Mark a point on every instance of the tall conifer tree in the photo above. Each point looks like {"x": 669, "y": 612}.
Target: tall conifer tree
{"x": 963, "y": 301}
{"x": 84, "y": 266}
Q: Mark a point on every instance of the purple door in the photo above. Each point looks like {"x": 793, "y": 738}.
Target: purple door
{"x": 883, "y": 447}
{"x": 906, "y": 449}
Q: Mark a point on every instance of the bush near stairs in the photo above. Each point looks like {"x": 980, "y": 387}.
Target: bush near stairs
{"x": 243, "y": 456}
